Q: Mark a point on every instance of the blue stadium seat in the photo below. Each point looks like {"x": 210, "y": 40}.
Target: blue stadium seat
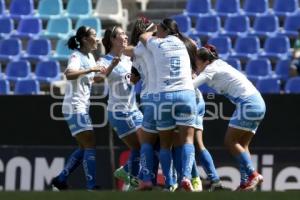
{"x": 195, "y": 8}
{"x": 246, "y": 48}
{"x": 236, "y": 26}
{"x": 79, "y": 8}
{"x": 2, "y": 8}
{"x": 18, "y": 70}
{"x": 47, "y": 71}
{"x": 37, "y": 49}
{"x": 58, "y": 28}
{"x": 276, "y": 47}
{"x": 293, "y": 85}
{"x": 205, "y": 89}
{"x": 223, "y": 45}
{"x": 19, "y": 9}
{"x": 92, "y": 22}
{"x": 29, "y": 28}
{"x": 291, "y": 25}
{"x": 184, "y": 23}
{"x": 49, "y": 8}
{"x": 256, "y": 7}
{"x": 258, "y": 69}
{"x": 282, "y": 69}
{"x": 10, "y": 49}
{"x": 268, "y": 86}
{"x": 27, "y": 87}
{"x": 207, "y": 26}
{"x": 227, "y": 8}
{"x": 234, "y": 62}
{"x": 62, "y": 52}
{"x": 265, "y": 26}
{"x": 4, "y": 87}
{"x": 6, "y": 28}
{"x": 285, "y": 7}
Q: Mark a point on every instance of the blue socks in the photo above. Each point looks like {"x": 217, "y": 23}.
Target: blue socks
{"x": 244, "y": 176}
{"x": 188, "y": 158}
{"x": 208, "y": 165}
{"x": 89, "y": 166}
{"x": 155, "y": 167}
{"x": 134, "y": 162}
{"x": 245, "y": 160}
{"x": 73, "y": 162}
{"x": 195, "y": 172}
{"x": 147, "y": 156}
{"x": 165, "y": 158}
{"x": 177, "y": 153}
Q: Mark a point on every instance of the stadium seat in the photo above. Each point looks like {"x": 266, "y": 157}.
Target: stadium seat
{"x": 18, "y": 70}
{"x": 92, "y": 22}
{"x": 258, "y": 69}
{"x": 265, "y": 26}
{"x": 10, "y": 49}
{"x": 223, "y": 45}
{"x": 246, "y": 48}
{"x": 62, "y": 52}
{"x": 47, "y": 71}
{"x": 4, "y": 87}
{"x": 205, "y": 89}
{"x": 293, "y": 85}
{"x": 291, "y": 25}
{"x": 225, "y": 8}
{"x": 79, "y": 8}
{"x": 29, "y": 28}
{"x": 6, "y": 28}
{"x": 268, "y": 86}
{"x": 285, "y": 8}
{"x": 282, "y": 69}
{"x": 58, "y": 28}
{"x": 37, "y": 49}
{"x": 234, "y": 62}
{"x": 255, "y": 7}
{"x": 195, "y": 8}
{"x": 27, "y": 87}
{"x": 20, "y": 9}
{"x": 184, "y": 23}
{"x": 112, "y": 10}
{"x": 276, "y": 47}
{"x": 207, "y": 26}
{"x": 49, "y": 8}
{"x": 3, "y": 11}
{"x": 236, "y": 26}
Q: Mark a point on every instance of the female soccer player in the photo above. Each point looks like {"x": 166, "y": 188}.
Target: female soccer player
{"x": 123, "y": 113}
{"x": 177, "y": 102}
{"x": 80, "y": 74}
{"x": 250, "y": 109}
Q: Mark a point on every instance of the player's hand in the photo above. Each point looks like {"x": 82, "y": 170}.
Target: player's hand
{"x": 115, "y": 61}
{"x": 99, "y": 69}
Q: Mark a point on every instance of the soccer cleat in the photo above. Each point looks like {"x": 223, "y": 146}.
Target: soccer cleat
{"x": 187, "y": 185}
{"x": 122, "y": 175}
{"x": 215, "y": 186}
{"x": 134, "y": 182}
{"x": 171, "y": 188}
{"x": 197, "y": 184}
{"x": 58, "y": 185}
{"x": 253, "y": 181}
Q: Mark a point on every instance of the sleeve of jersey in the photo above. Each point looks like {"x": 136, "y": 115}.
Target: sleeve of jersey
{"x": 204, "y": 76}
{"x": 139, "y": 49}
{"x": 152, "y": 43}
{"x": 74, "y": 62}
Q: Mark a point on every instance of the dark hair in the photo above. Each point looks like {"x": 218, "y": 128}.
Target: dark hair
{"x": 208, "y": 52}
{"x": 75, "y": 42}
{"x": 141, "y": 25}
{"x": 191, "y": 49}
{"x": 171, "y": 27}
{"x": 106, "y": 40}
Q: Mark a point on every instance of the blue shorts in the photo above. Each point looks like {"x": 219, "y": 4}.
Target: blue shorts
{"x": 125, "y": 123}
{"x": 149, "y": 109}
{"x": 249, "y": 113}
{"x": 176, "y": 108}
{"x": 78, "y": 122}
{"x": 200, "y": 113}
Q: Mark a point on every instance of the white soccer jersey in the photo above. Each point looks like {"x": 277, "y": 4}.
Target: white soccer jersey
{"x": 226, "y": 80}
{"x": 77, "y": 95}
{"x": 144, "y": 59}
{"x": 172, "y": 62}
{"x": 121, "y": 91}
